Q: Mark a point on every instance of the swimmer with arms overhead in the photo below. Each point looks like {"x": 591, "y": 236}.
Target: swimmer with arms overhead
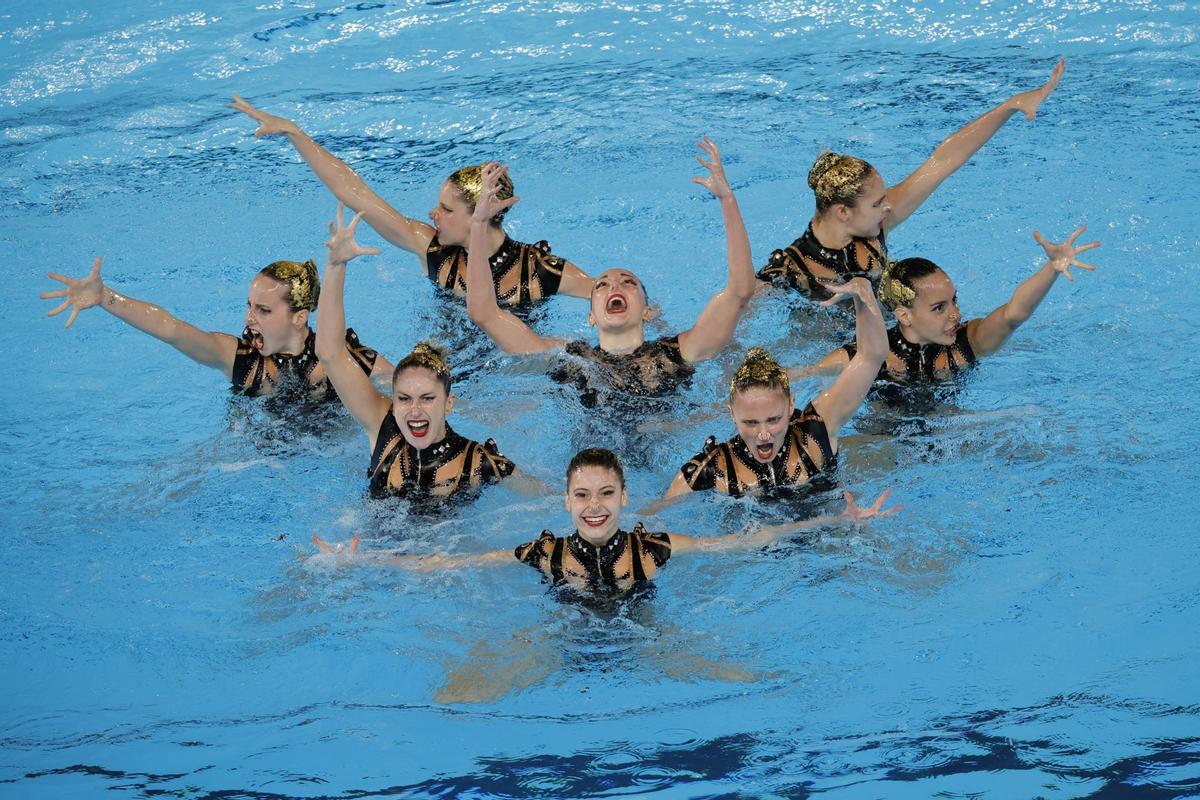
{"x": 599, "y": 555}
{"x": 413, "y": 449}
{"x": 855, "y": 209}
{"x": 275, "y": 354}
{"x": 930, "y": 342}
{"x": 619, "y": 305}
{"x": 520, "y": 273}
{"x": 777, "y": 444}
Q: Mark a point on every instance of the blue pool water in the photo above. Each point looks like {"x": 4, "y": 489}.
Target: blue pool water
{"x": 1027, "y": 627}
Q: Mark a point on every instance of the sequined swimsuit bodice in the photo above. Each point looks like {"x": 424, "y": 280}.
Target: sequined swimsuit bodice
{"x": 455, "y": 463}
{"x": 521, "y": 273}
{"x": 806, "y": 264}
{"x": 923, "y": 363}
{"x": 730, "y": 468}
{"x": 625, "y": 560}
{"x": 298, "y": 377}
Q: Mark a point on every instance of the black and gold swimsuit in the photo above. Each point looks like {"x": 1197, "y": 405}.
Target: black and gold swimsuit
{"x": 453, "y": 464}
{"x": 300, "y": 376}
{"x": 730, "y": 467}
{"x": 922, "y": 363}
{"x": 625, "y": 560}
{"x": 805, "y": 265}
{"x": 521, "y": 273}
{"x": 654, "y": 369}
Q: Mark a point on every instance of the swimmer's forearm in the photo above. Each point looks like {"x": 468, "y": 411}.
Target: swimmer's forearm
{"x": 761, "y": 537}
{"x": 331, "y": 311}
{"x": 345, "y": 183}
{"x": 348, "y": 187}
{"x": 481, "y": 293}
{"x": 741, "y": 282}
{"x": 200, "y": 346}
{"x": 434, "y": 561}
{"x": 869, "y": 330}
{"x": 1029, "y": 296}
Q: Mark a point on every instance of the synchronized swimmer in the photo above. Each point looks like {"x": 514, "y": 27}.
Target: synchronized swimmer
{"x": 521, "y": 273}
{"x": 620, "y": 305}
{"x": 275, "y": 355}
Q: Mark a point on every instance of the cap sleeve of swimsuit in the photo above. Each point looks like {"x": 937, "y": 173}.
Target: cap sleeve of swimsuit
{"x": 656, "y": 544}
{"x": 779, "y": 271}
{"x": 700, "y": 471}
{"x": 533, "y": 553}
{"x": 362, "y": 355}
{"x": 493, "y": 465}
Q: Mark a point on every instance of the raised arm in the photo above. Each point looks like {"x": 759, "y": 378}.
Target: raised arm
{"x": 714, "y": 328}
{"x": 413, "y": 235}
{"x": 988, "y": 334}
{"x": 839, "y": 402}
{"x": 957, "y": 148}
{"x": 216, "y": 350}
{"x": 509, "y": 332}
{"x": 360, "y": 397}
{"x": 767, "y": 534}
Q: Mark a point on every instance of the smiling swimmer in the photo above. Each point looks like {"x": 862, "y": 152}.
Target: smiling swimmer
{"x": 599, "y": 554}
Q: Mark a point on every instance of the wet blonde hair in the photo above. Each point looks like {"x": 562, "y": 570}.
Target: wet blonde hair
{"x": 759, "y": 369}
{"x": 305, "y": 286}
{"x": 426, "y": 355}
{"x": 896, "y": 285}
{"x": 469, "y": 182}
{"x": 838, "y": 179}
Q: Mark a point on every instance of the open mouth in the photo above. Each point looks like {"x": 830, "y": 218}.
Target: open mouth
{"x": 419, "y": 428}
{"x": 617, "y": 304}
{"x": 765, "y": 451}
{"x": 256, "y": 340}
{"x": 594, "y": 521}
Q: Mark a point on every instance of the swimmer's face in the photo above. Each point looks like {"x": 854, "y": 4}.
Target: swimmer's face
{"x": 868, "y": 215}
{"x": 451, "y": 216}
{"x": 595, "y": 496}
{"x": 618, "y": 300}
{"x": 761, "y": 414}
{"x": 934, "y": 316}
{"x": 272, "y": 323}
{"x": 420, "y": 404}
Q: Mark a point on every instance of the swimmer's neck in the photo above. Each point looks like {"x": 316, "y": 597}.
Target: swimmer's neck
{"x": 295, "y": 343}
{"x": 597, "y": 543}
{"x": 495, "y": 239}
{"x": 624, "y": 341}
{"x": 829, "y": 232}
{"x": 907, "y": 335}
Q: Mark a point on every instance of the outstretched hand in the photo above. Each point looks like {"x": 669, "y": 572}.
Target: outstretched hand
{"x": 82, "y": 294}
{"x": 1028, "y": 102}
{"x": 716, "y": 182}
{"x": 859, "y": 288}
{"x": 488, "y": 205}
{"x": 1062, "y": 255}
{"x": 268, "y": 124}
{"x": 340, "y": 551}
{"x": 342, "y": 246}
{"x": 856, "y": 514}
